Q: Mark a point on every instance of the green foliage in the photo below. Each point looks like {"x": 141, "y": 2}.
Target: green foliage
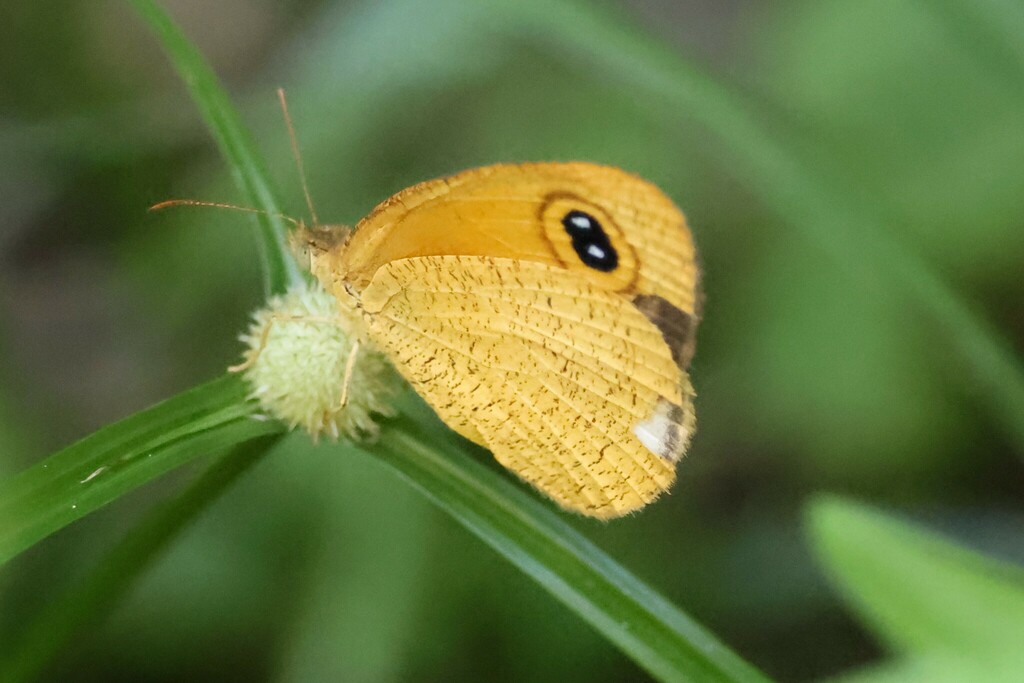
{"x": 237, "y": 146}
{"x": 56, "y": 627}
{"x": 663, "y": 640}
{"x": 929, "y": 600}
{"x": 119, "y": 458}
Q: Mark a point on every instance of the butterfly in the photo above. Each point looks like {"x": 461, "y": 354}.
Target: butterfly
{"x": 546, "y": 311}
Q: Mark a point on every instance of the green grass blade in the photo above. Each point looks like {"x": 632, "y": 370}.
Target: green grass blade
{"x": 235, "y": 144}
{"x": 796, "y": 188}
{"x": 121, "y": 457}
{"x": 918, "y": 592}
{"x": 86, "y": 603}
{"x": 654, "y": 633}
{"x": 657, "y": 635}
{"x": 644, "y": 625}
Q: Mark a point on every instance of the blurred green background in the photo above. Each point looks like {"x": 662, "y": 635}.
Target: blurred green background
{"x": 314, "y": 567}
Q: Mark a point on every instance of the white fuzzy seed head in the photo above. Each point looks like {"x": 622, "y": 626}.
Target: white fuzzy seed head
{"x": 298, "y": 346}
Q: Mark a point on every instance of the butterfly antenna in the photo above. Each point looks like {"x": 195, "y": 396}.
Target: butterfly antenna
{"x": 297, "y": 156}
{"x": 221, "y": 205}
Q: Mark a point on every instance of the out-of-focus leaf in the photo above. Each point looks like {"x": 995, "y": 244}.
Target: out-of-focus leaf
{"x": 236, "y": 144}
{"x": 989, "y": 29}
{"x": 913, "y": 123}
{"x": 917, "y": 592}
{"x": 833, "y": 371}
{"x": 936, "y": 669}
{"x": 360, "y": 602}
{"x": 89, "y": 601}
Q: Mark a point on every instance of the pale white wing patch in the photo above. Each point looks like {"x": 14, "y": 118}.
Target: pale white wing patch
{"x": 669, "y": 430}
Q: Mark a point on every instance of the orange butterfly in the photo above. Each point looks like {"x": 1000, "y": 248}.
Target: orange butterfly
{"x": 545, "y": 311}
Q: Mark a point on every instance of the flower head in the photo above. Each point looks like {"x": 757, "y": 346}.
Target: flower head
{"x": 298, "y": 349}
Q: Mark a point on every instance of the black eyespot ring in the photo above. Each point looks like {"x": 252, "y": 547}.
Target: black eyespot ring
{"x": 590, "y": 241}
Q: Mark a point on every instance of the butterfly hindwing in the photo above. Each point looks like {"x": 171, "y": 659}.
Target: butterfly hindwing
{"x": 571, "y": 386}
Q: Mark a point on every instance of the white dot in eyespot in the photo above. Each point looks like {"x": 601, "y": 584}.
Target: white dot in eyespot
{"x": 581, "y": 222}
{"x": 596, "y": 251}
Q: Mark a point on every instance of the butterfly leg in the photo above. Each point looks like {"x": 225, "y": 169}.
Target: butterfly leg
{"x": 252, "y": 355}
{"x": 350, "y": 365}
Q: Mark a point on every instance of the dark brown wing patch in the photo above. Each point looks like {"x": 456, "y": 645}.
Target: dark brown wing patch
{"x": 678, "y": 328}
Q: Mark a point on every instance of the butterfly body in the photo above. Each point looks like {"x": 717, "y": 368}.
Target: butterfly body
{"x": 545, "y": 311}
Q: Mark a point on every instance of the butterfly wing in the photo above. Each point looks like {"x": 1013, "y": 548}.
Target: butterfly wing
{"x": 570, "y": 386}
{"x": 546, "y": 311}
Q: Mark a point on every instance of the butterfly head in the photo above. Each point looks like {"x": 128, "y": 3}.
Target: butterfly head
{"x": 316, "y": 247}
